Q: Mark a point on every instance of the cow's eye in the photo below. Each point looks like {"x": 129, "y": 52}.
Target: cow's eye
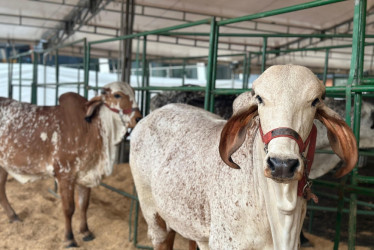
{"x": 259, "y": 99}
{"x": 315, "y": 102}
{"x": 117, "y": 96}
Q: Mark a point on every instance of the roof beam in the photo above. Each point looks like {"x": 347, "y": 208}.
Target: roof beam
{"x": 81, "y": 15}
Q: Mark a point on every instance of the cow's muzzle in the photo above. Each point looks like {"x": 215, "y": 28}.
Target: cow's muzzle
{"x": 286, "y": 169}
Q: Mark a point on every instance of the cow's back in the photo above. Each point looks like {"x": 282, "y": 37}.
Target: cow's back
{"x": 34, "y": 138}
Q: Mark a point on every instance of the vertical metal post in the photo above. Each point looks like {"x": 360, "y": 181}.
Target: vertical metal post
{"x": 244, "y": 71}
{"x": 10, "y": 78}
{"x": 137, "y": 69}
{"x": 183, "y": 71}
{"x": 20, "y": 79}
{"x": 211, "y": 63}
{"x": 97, "y": 68}
{"x": 57, "y": 75}
{"x": 44, "y": 80}
{"x": 145, "y": 94}
{"x": 249, "y": 69}
{"x": 127, "y": 25}
{"x": 34, "y": 84}
{"x": 79, "y": 78}
{"x": 358, "y": 44}
{"x": 326, "y": 66}
{"x": 136, "y": 223}
{"x": 339, "y": 212}
{"x": 214, "y": 71}
{"x": 264, "y": 47}
{"x": 86, "y": 62}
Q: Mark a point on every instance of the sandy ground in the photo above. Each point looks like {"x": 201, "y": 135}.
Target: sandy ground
{"x": 42, "y": 225}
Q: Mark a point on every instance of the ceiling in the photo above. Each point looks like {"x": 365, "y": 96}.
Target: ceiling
{"x": 62, "y": 21}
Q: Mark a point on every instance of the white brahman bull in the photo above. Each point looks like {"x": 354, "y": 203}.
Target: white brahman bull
{"x": 225, "y": 184}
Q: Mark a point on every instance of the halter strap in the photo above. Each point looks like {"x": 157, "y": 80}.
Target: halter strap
{"x": 124, "y": 111}
{"x": 303, "y": 184}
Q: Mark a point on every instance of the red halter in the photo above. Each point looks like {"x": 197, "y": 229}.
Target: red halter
{"x": 124, "y": 111}
{"x": 303, "y": 188}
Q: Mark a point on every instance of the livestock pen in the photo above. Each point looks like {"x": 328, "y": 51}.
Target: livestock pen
{"x": 358, "y": 85}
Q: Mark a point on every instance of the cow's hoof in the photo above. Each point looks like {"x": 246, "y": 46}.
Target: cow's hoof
{"x": 304, "y": 242}
{"x": 14, "y": 218}
{"x": 71, "y": 244}
{"x": 88, "y": 236}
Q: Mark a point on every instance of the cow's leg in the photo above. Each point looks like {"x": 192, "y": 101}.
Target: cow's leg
{"x": 192, "y": 245}
{"x": 161, "y": 236}
{"x": 66, "y": 189}
{"x": 168, "y": 243}
{"x": 203, "y": 245}
{"x": 83, "y": 202}
{"x": 3, "y": 199}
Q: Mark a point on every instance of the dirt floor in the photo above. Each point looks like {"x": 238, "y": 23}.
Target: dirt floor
{"x": 42, "y": 225}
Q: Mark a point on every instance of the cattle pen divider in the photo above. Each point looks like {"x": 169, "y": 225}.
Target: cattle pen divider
{"x": 357, "y": 86}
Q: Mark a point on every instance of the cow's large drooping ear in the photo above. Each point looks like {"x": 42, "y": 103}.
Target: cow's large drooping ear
{"x": 341, "y": 138}
{"x": 234, "y": 133}
{"x": 92, "y": 105}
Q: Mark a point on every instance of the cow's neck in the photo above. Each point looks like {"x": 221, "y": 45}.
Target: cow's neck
{"x": 285, "y": 210}
{"x": 112, "y": 132}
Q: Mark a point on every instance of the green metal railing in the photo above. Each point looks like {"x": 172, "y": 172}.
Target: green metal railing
{"x": 352, "y": 89}
{"x": 356, "y": 85}
{"x": 34, "y": 81}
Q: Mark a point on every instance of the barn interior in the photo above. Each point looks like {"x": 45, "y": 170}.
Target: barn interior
{"x": 213, "y": 48}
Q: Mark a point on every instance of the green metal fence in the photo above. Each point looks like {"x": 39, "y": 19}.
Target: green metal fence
{"x": 35, "y": 82}
{"x": 357, "y": 86}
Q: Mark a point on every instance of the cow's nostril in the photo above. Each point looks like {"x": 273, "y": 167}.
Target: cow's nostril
{"x": 271, "y": 163}
{"x": 292, "y": 164}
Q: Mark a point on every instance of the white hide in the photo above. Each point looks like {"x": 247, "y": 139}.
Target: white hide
{"x": 112, "y": 131}
{"x": 179, "y": 174}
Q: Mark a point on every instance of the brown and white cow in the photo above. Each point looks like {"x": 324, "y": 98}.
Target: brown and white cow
{"x": 74, "y": 142}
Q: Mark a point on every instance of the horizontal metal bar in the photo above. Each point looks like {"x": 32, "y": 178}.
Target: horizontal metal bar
{"x": 365, "y": 153}
{"x": 367, "y": 81}
{"x": 321, "y": 151}
{"x": 360, "y": 152}
{"x": 143, "y": 247}
{"x": 275, "y": 35}
{"x": 171, "y": 88}
{"x": 271, "y": 35}
{"x": 23, "y": 79}
{"x": 335, "y": 209}
{"x": 358, "y": 89}
{"x": 336, "y": 197}
{"x": 185, "y": 34}
{"x": 21, "y": 54}
{"x": 346, "y": 188}
{"x": 22, "y": 85}
{"x": 225, "y": 91}
{"x": 121, "y": 192}
{"x": 58, "y": 84}
{"x": 153, "y": 32}
{"x": 193, "y": 57}
{"x": 279, "y": 11}
{"x": 314, "y": 48}
{"x": 365, "y": 179}
{"x": 65, "y": 45}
